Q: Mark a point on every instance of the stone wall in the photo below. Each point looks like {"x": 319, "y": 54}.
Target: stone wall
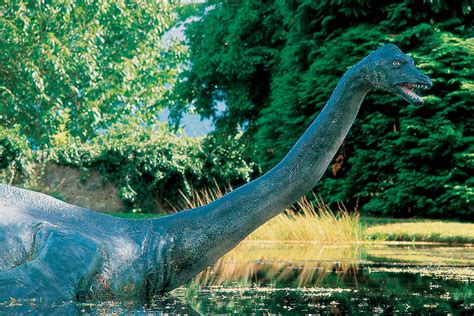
{"x": 93, "y": 192}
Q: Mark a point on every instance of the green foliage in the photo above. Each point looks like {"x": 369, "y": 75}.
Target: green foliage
{"x": 275, "y": 63}
{"x": 150, "y": 166}
{"x": 76, "y": 67}
{"x": 231, "y": 62}
{"x": 83, "y": 82}
{"x": 15, "y": 155}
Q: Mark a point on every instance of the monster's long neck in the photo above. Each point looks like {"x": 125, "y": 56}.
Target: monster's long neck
{"x": 209, "y": 232}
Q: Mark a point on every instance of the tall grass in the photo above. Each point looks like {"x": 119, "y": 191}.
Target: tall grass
{"x": 308, "y": 222}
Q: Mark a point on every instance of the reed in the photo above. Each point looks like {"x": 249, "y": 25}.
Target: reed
{"x": 308, "y": 222}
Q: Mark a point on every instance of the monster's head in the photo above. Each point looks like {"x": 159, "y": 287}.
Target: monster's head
{"x": 389, "y": 69}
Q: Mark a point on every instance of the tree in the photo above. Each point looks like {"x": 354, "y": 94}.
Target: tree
{"x": 76, "y": 67}
{"x": 233, "y": 48}
{"x": 275, "y": 63}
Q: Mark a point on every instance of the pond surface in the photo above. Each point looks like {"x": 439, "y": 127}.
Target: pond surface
{"x": 277, "y": 278}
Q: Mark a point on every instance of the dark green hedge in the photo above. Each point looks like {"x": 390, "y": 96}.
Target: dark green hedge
{"x": 277, "y": 62}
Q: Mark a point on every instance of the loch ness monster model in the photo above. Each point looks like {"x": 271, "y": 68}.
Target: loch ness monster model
{"x": 52, "y": 251}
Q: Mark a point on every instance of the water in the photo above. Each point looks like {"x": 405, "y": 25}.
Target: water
{"x": 309, "y": 279}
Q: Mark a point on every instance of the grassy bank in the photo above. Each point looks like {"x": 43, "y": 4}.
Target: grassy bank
{"x": 420, "y": 231}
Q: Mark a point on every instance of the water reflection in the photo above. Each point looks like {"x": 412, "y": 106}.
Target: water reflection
{"x": 306, "y": 264}
{"x": 300, "y": 278}
{"x": 165, "y": 305}
{"x": 356, "y": 279}
{"x": 296, "y": 264}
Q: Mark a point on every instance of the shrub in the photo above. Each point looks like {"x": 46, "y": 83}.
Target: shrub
{"x": 151, "y": 166}
{"x": 15, "y": 156}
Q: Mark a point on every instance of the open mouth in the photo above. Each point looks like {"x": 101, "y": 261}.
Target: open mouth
{"x": 408, "y": 91}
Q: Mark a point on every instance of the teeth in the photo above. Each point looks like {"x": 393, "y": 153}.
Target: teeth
{"x": 415, "y": 85}
{"x": 410, "y": 92}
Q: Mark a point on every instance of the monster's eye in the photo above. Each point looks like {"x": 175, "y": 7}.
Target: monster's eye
{"x": 396, "y": 63}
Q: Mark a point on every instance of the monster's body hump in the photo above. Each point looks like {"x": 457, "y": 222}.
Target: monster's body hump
{"x": 120, "y": 258}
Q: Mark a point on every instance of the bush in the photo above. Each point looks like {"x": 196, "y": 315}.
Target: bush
{"x": 15, "y": 156}
{"x": 151, "y": 166}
